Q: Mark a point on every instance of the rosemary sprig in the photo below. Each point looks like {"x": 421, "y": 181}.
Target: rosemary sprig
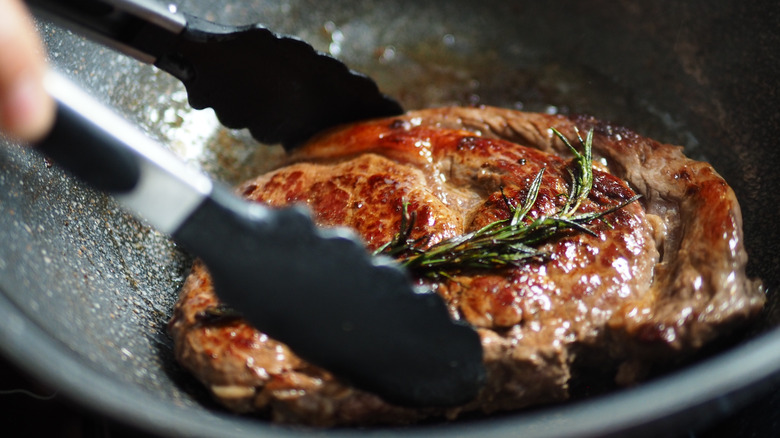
{"x": 506, "y": 242}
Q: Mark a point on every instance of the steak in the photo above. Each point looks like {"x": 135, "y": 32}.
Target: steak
{"x": 655, "y": 280}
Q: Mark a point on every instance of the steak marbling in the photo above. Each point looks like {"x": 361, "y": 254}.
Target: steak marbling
{"x": 658, "y": 279}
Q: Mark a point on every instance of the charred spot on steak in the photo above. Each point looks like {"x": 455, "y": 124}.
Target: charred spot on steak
{"x": 651, "y": 283}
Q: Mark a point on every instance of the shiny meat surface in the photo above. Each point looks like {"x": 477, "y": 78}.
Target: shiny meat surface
{"x": 656, "y": 280}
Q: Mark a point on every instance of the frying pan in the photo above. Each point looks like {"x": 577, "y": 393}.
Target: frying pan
{"x": 86, "y": 291}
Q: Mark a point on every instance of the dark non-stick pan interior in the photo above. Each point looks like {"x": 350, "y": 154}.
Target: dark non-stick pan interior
{"x": 86, "y": 291}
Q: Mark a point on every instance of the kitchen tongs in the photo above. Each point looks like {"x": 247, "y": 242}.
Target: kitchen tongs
{"x": 317, "y": 290}
{"x": 277, "y": 86}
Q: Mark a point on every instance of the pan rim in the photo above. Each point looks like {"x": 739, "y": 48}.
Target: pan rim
{"x": 663, "y": 404}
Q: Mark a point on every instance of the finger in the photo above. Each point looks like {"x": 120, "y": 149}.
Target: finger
{"x": 26, "y": 110}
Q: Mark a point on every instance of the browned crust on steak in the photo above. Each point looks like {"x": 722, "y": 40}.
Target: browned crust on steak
{"x": 658, "y": 280}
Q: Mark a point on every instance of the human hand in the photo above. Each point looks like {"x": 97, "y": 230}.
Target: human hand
{"x": 26, "y": 110}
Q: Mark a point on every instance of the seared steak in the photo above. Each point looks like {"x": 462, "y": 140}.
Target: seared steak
{"x": 658, "y": 278}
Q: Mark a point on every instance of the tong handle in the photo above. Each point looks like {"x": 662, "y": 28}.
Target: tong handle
{"x": 142, "y": 29}
{"x": 107, "y": 152}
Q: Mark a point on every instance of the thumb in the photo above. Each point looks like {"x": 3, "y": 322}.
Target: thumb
{"x": 26, "y": 110}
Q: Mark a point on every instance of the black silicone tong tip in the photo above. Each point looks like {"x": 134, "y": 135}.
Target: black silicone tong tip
{"x": 277, "y": 86}
{"x": 321, "y": 293}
